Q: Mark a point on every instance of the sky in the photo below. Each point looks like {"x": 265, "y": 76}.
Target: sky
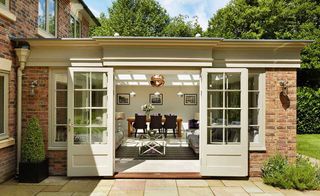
{"x": 204, "y": 9}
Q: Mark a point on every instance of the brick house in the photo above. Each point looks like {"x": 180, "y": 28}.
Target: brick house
{"x": 28, "y": 19}
{"x": 243, "y": 91}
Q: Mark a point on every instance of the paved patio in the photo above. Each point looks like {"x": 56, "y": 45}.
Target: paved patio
{"x": 63, "y": 186}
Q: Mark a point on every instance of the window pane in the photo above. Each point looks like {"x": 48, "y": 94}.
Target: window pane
{"x": 233, "y": 117}
{"x": 2, "y": 105}
{"x": 215, "y": 117}
{"x": 78, "y": 29}
{"x": 215, "y": 99}
{"x": 233, "y": 81}
{"x": 81, "y": 98}
{"x": 253, "y": 82}
{"x": 233, "y": 99}
{"x": 254, "y": 134}
{"x": 99, "y": 80}
{"x": 215, "y": 135}
{"x": 42, "y": 14}
{"x": 61, "y": 81}
{"x": 3, "y": 2}
{"x": 215, "y": 81}
{"x": 232, "y": 135}
{"x": 99, "y": 98}
{"x": 99, "y": 135}
{"x": 81, "y": 117}
{"x": 61, "y": 134}
{"x": 99, "y": 117}
{"x": 61, "y": 116}
{"x": 81, "y": 80}
{"x": 61, "y": 99}
{"x": 253, "y": 99}
{"x": 52, "y": 17}
{"x": 81, "y": 135}
{"x": 72, "y": 27}
{"x": 253, "y": 116}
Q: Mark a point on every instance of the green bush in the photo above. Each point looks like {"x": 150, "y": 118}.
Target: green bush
{"x": 32, "y": 147}
{"x": 301, "y": 176}
{"x": 308, "y": 106}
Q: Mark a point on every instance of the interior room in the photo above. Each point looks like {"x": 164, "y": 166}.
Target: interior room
{"x": 157, "y": 116}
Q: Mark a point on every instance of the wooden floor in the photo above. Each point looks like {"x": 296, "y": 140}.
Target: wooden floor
{"x": 164, "y": 175}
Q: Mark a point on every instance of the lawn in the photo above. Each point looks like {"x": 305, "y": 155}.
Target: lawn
{"x": 309, "y": 144}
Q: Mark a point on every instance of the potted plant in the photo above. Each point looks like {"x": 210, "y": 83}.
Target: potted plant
{"x": 33, "y": 167}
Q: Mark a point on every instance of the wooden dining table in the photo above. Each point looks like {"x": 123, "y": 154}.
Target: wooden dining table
{"x": 131, "y": 121}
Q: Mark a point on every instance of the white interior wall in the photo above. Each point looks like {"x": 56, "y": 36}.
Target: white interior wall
{"x": 171, "y": 102}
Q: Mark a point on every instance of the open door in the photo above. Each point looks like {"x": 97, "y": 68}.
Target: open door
{"x": 224, "y": 122}
{"x": 91, "y": 122}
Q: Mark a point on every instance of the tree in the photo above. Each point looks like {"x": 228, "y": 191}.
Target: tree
{"x": 271, "y": 19}
{"x": 133, "y": 18}
{"x": 181, "y": 27}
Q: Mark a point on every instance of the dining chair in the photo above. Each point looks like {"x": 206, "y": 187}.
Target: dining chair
{"x": 170, "y": 123}
{"x": 156, "y": 122}
{"x": 140, "y": 122}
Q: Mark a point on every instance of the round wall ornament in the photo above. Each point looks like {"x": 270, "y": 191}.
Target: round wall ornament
{"x": 157, "y": 80}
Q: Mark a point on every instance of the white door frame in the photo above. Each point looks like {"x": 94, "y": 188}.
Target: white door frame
{"x": 224, "y": 159}
{"x": 92, "y": 159}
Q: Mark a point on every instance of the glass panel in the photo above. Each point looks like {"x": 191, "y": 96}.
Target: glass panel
{"x": 99, "y": 98}
{"x": 253, "y": 99}
{"x": 215, "y": 99}
{"x": 81, "y": 135}
{"x": 232, "y": 135}
{"x": 99, "y": 117}
{"x": 99, "y": 80}
{"x": 61, "y": 134}
{"x": 81, "y": 80}
{"x": 233, "y": 99}
{"x": 3, "y": 2}
{"x": 215, "y": 81}
{"x": 233, "y": 81}
{"x": 254, "y": 134}
{"x": 215, "y": 117}
{"x": 2, "y": 105}
{"x": 61, "y": 116}
{"x": 81, "y": 98}
{"x": 72, "y": 27}
{"x": 52, "y": 16}
{"x": 61, "y": 99}
{"x": 233, "y": 117}
{"x": 215, "y": 135}
{"x": 78, "y": 31}
{"x": 253, "y": 82}
{"x": 253, "y": 116}
{"x": 42, "y": 14}
{"x": 81, "y": 117}
{"x": 99, "y": 135}
{"x": 61, "y": 81}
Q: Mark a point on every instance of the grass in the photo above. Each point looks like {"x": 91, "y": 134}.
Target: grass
{"x": 309, "y": 145}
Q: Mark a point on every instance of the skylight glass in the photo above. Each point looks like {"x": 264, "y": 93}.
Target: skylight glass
{"x": 176, "y": 83}
{"x": 144, "y": 83}
{"x": 188, "y": 83}
{"x": 196, "y": 77}
{"x": 184, "y": 77}
{"x": 139, "y": 77}
{"x": 124, "y": 77}
{"x": 133, "y": 83}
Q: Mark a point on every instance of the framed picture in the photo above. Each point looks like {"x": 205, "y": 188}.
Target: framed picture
{"x": 123, "y": 99}
{"x": 156, "y": 99}
{"x": 190, "y": 99}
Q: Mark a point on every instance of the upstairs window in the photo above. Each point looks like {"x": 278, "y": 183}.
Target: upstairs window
{"x": 47, "y": 16}
{"x": 75, "y": 28}
{"x": 4, "y": 3}
{"x": 3, "y": 105}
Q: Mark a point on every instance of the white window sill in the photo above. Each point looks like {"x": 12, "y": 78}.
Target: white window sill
{"x": 57, "y": 148}
{"x": 257, "y": 148}
{"x": 4, "y": 11}
{"x": 7, "y": 142}
{"x": 45, "y": 34}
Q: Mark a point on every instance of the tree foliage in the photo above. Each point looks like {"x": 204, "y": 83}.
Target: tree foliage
{"x": 180, "y": 26}
{"x": 271, "y": 19}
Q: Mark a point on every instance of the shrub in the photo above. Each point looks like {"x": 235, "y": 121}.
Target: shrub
{"x": 32, "y": 147}
{"x": 308, "y": 110}
{"x": 302, "y": 175}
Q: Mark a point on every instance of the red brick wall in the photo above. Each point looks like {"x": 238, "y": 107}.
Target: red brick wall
{"x": 84, "y": 28}
{"x": 280, "y": 123}
{"x": 64, "y": 18}
{"x": 58, "y": 162}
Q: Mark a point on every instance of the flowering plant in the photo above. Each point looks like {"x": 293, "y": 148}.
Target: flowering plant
{"x": 147, "y": 107}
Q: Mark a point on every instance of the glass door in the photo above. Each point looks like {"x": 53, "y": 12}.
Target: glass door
{"x": 224, "y": 122}
{"x": 90, "y": 112}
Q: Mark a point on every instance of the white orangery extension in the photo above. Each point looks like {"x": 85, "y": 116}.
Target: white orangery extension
{"x": 247, "y": 71}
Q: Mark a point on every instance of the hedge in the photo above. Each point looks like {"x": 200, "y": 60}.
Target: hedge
{"x": 308, "y": 110}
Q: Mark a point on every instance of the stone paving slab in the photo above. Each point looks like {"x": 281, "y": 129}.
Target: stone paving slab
{"x": 63, "y": 186}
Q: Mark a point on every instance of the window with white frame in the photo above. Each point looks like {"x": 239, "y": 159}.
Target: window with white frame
{"x": 3, "y": 105}
{"x": 75, "y": 27}
{"x": 256, "y": 88}
{"x": 4, "y": 3}
{"x": 47, "y": 16}
{"x": 58, "y": 108}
